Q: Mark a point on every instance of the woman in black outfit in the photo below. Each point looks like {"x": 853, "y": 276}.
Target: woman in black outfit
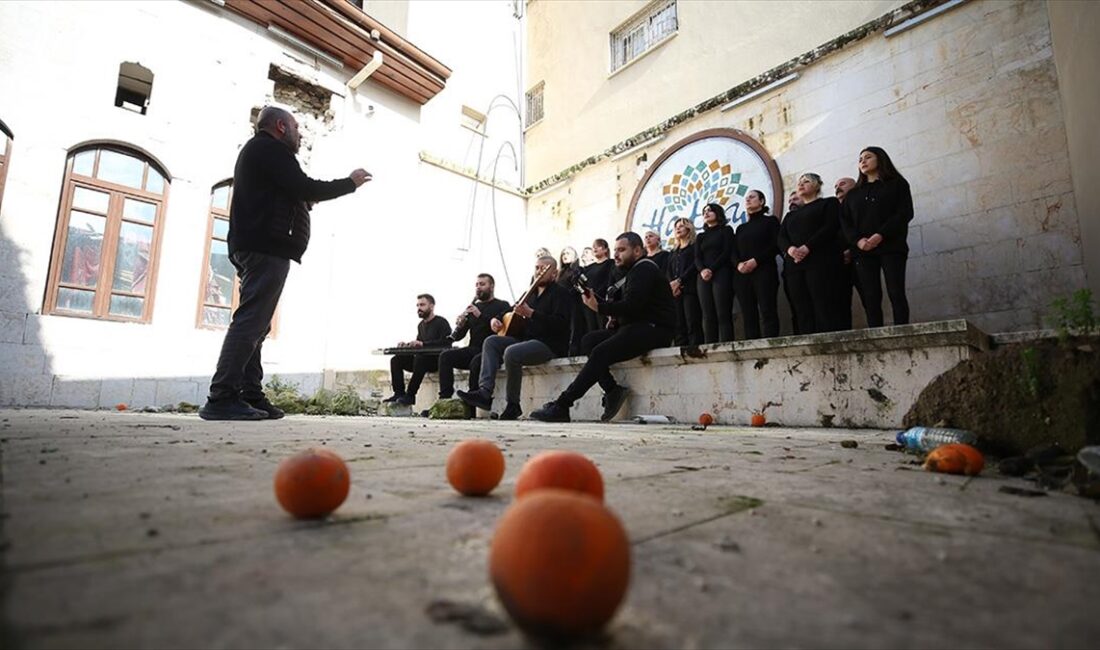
{"x": 757, "y": 275}
{"x": 570, "y": 268}
{"x": 876, "y": 220}
{"x": 654, "y": 251}
{"x": 714, "y": 249}
{"x": 681, "y": 279}
{"x": 808, "y": 239}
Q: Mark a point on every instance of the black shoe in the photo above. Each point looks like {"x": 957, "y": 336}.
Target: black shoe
{"x": 406, "y": 400}
{"x": 551, "y": 412}
{"x": 230, "y": 409}
{"x": 477, "y": 399}
{"x": 393, "y": 398}
{"x": 511, "y": 411}
{"x": 263, "y": 404}
{"x": 613, "y": 401}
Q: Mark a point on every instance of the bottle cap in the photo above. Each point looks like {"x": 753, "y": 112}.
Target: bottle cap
{"x": 900, "y": 438}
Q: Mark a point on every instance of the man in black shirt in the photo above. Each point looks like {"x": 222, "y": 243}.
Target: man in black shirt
{"x": 644, "y": 319}
{"x": 432, "y": 332}
{"x": 268, "y": 227}
{"x": 544, "y": 337}
{"x": 476, "y": 320}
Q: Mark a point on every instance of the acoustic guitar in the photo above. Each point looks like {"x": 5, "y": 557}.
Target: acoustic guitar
{"x": 514, "y": 324}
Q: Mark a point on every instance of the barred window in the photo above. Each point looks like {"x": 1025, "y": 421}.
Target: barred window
{"x": 642, "y": 33}
{"x": 534, "y": 104}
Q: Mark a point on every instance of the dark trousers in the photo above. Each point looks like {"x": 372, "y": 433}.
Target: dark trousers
{"x": 593, "y": 322}
{"x": 790, "y": 301}
{"x": 758, "y": 292}
{"x": 240, "y": 373}
{"x": 689, "y": 320}
{"x": 892, "y": 268}
{"x": 612, "y": 346}
{"x": 578, "y": 324}
{"x": 812, "y": 298}
{"x": 716, "y": 301}
{"x": 418, "y": 364}
{"x": 467, "y": 358}
{"x": 847, "y": 280}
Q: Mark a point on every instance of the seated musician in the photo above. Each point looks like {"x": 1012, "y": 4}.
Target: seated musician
{"x": 642, "y": 318}
{"x": 545, "y": 335}
{"x": 476, "y": 320}
{"x": 432, "y": 332}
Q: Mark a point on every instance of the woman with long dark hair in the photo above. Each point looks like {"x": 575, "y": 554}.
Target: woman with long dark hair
{"x": 807, "y": 238}
{"x": 757, "y": 274}
{"x": 681, "y": 279}
{"x": 876, "y": 217}
{"x": 714, "y": 249}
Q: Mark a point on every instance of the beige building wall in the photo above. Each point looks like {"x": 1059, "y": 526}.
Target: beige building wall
{"x": 717, "y": 46}
{"x": 968, "y": 106}
{"x": 1074, "y": 26}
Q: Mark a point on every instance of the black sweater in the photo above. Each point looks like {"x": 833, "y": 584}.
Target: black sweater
{"x": 815, "y": 225}
{"x": 714, "y": 248}
{"x": 660, "y": 258}
{"x": 681, "y": 266}
{"x": 757, "y": 239}
{"x": 434, "y": 333}
{"x": 882, "y": 207}
{"x": 599, "y": 276}
{"x": 270, "y": 192}
{"x": 479, "y": 328}
{"x": 646, "y": 298}
{"x": 550, "y": 322}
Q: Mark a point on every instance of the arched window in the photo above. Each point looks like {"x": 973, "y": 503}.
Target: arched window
{"x": 107, "y": 242}
{"x": 5, "y": 156}
{"x": 219, "y": 279}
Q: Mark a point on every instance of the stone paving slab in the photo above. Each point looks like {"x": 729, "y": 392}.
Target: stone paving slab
{"x": 161, "y": 531}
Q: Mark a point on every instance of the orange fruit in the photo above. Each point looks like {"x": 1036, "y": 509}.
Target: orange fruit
{"x": 475, "y": 467}
{"x": 758, "y": 419}
{"x": 560, "y": 563}
{"x": 567, "y": 470}
{"x": 706, "y": 419}
{"x": 955, "y": 458}
{"x": 121, "y": 407}
{"x": 312, "y": 483}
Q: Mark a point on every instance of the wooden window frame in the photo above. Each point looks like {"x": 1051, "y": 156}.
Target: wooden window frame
{"x": 5, "y": 162}
{"x": 214, "y": 214}
{"x": 109, "y": 251}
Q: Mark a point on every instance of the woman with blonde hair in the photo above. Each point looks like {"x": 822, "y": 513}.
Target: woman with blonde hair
{"x": 808, "y": 241}
{"x": 681, "y": 273}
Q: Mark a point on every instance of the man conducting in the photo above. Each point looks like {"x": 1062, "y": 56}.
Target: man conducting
{"x": 476, "y": 319}
{"x": 268, "y": 227}
{"x": 546, "y": 336}
{"x": 644, "y": 319}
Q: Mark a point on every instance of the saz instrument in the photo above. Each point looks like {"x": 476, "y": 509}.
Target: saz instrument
{"x": 514, "y": 324}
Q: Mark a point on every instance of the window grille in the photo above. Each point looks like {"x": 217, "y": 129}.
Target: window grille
{"x": 642, "y": 33}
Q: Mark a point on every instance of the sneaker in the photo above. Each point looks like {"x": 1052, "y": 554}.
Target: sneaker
{"x": 406, "y": 400}
{"x": 551, "y": 412}
{"x": 477, "y": 399}
{"x": 393, "y": 398}
{"x": 263, "y": 404}
{"x": 613, "y": 401}
{"x": 231, "y": 409}
{"x": 511, "y": 411}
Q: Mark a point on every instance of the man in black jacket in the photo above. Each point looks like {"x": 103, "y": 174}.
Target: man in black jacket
{"x": 268, "y": 227}
{"x": 432, "y": 332}
{"x": 644, "y": 319}
{"x": 476, "y": 320}
{"x": 546, "y": 336}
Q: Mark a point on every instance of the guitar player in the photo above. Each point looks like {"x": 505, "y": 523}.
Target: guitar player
{"x": 544, "y": 313}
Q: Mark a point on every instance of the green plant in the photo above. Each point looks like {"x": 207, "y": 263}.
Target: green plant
{"x": 1073, "y": 315}
{"x": 285, "y": 395}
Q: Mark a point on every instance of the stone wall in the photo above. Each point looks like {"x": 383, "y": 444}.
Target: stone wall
{"x": 968, "y": 107}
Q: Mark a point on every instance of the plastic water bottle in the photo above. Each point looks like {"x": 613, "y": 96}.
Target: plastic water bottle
{"x": 928, "y": 438}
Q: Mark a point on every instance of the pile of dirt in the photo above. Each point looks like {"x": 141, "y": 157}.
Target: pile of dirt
{"x": 1019, "y": 396}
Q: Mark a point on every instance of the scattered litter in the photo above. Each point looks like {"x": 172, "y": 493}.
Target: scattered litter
{"x": 929, "y": 438}
{"x": 1020, "y": 492}
{"x": 472, "y": 618}
{"x": 652, "y": 419}
{"x": 849, "y": 444}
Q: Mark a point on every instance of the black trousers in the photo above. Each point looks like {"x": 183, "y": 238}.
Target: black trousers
{"x": 578, "y": 324}
{"x": 240, "y": 374}
{"x": 758, "y": 293}
{"x": 689, "y": 320}
{"x": 812, "y": 297}
{"x": 607, "y": 347}
{"x": 892, "y": 268}
{"x": 716, "y": 302}
{"x": 593, "y": 322}
{"x": 418, "y": 364}
{"x": 790, "y": 301}
{"x": 847, "y": 280}
{"x": 467, "y": 358}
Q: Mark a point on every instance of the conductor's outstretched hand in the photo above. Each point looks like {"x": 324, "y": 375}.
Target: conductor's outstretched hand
{"x": 360, "y": 176}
